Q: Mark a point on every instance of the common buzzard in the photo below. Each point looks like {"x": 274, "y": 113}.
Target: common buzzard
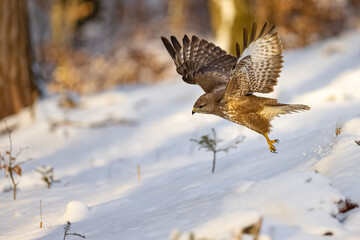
{"x": 229, "y": 82}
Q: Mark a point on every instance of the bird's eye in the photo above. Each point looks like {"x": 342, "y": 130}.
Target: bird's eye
{"x": 201, "y": 106}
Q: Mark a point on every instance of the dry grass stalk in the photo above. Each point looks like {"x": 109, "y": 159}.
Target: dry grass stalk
{"x": 138, "y": 171}
{"x": 41, "y": 223}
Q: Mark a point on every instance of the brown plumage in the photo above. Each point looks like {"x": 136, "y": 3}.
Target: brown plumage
{"x": 229, "y": 82}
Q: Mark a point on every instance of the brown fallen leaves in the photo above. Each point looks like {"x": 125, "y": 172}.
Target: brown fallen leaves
{"x": 8, "y": 162}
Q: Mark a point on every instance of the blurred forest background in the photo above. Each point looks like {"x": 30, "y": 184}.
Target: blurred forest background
{"x": 83, "y": 46}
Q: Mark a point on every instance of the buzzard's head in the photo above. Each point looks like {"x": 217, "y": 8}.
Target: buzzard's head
{"x": 204, "y": 104}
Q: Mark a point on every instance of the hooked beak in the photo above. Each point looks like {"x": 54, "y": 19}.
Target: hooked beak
{"x": 193, "y": 111}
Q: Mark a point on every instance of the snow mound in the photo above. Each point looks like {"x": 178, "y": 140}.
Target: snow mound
{"x": 75, "y": 212}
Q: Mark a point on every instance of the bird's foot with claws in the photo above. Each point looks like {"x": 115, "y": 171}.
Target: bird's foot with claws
{"x": 271, "y": 143}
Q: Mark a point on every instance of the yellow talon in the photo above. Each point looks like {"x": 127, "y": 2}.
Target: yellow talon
{"x": 271, "y": 143}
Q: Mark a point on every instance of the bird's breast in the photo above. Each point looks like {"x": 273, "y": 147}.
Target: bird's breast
{"x": 237, "y": 109}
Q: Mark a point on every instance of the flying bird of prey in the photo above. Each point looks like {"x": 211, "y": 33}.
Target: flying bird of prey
{"x": 229, "y": 82}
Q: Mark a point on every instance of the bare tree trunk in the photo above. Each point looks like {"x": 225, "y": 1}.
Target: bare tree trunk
{"x": 228, "y": 18}
{"x": 17, "y": 89}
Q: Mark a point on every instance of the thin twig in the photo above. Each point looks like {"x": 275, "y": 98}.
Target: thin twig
{"x": 11, "y": 160}
{"x": 20, "y": 163}
{"x": 13, "y": 182}
{"x": 66, "y": 228}
{"x": 214, "y": 159}
{"x": 10, "y": 139}
{"x": 76, "y": 234}
{"x": 215, "y": 140}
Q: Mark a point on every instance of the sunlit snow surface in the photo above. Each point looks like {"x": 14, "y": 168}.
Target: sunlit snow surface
{"x": 295, "y": 191}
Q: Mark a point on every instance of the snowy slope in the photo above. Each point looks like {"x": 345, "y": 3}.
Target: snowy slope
{"x": 296, "y": 191}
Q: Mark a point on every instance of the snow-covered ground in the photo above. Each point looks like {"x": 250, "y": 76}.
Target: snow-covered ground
{"x": 296, "y": 192}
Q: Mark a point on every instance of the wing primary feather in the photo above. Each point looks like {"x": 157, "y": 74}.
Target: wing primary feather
{"x": 204, "y": 52}
{"x": 245, "y": 38}
{"x": 207, "y": 53}
{"x": 253, "y": 32}
{"x": 271, "y": 29}
{"x": 176, "y": 44}
{"x": 237, "y": 50}
{"x": 186, "y": 42}
{"x": 262, "y": 30}
{"x": 198, "y": 54}
{"x": 273, "y": 34}
{"x": 194, "y": 48}
{"x": 202, "y": 46}
{"x": 169, "y": 47}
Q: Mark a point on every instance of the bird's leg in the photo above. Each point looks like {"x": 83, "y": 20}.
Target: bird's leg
{"x": 271, "y": 143}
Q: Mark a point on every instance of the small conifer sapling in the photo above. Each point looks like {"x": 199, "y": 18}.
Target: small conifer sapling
{"x": 211, "y": 145}
{"x": 47, "y": 175}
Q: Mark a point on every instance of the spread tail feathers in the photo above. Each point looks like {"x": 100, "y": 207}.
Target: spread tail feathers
{"x": 276, "y": 110}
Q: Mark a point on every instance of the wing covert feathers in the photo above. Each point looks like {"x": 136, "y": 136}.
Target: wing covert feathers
{"x": 259, "y": 64}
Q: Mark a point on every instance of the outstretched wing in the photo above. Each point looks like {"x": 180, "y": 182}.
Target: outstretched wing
{"x": 259, "y": 65}
{"x": 200, "y": 62}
